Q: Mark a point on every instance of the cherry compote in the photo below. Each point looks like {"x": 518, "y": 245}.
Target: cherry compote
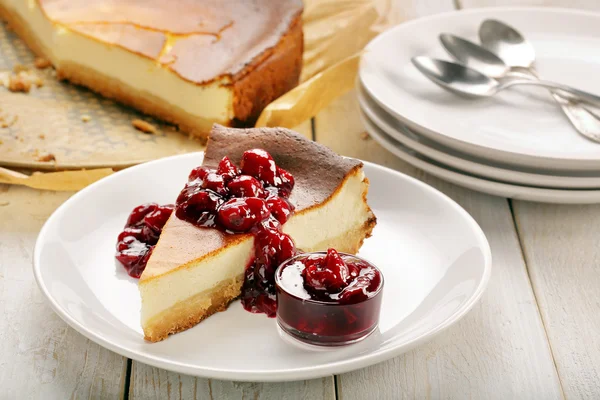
{"x": 138, "y": 238}
{"x": 251, "y": 198}
{"x": 328, "y": 298}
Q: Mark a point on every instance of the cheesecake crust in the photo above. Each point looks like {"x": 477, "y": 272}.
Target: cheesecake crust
{"x": 193, "y": 310}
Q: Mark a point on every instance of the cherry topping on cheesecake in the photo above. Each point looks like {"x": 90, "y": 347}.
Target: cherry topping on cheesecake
{"x": 140, "y": 235}
{"x": 250, "y": 199}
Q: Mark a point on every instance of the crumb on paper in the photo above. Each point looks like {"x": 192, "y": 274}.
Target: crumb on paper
{"x": 5, "y": 123}
{"x": 38, "y": 82}
{"x": 20, "y": 68}
{"x": 19, "y": 83}
{"x": 32, "y": 77}
{"x": 47, "y": 158}
{"x": 1, "y": 142}
{"x": 364, "y": 136}
{"x": 143, "y": 126}
{"x": 42, "y": 136}
{"x": 42, "y": 63}
{"x": 4, "y": 203}
{"x": 86, "y": 118}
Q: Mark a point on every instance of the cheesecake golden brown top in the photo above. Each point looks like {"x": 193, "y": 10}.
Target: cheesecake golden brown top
{"x": 318, "y": 172}
{"x": 199, "y": 40}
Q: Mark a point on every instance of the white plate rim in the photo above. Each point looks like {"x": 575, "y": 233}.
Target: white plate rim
{"x": 501, "y": 156}
{"x": 266, "y": 376}
{"x": 472, "y": 167}
{"x": 543, "y": 195}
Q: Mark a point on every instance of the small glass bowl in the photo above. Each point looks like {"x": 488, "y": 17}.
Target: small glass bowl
{"x": 326, "y": 323}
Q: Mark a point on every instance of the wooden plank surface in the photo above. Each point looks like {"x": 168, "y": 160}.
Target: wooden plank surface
{"x": 562, "y": 249}
{"x": 40, "y": 356}
{"x": 499, "y": 350}
{"x": 155, "y": 383}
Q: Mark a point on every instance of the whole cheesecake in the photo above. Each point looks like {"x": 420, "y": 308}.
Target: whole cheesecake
{"x": 194, "y": 272}
{"x": 189, "y": 62}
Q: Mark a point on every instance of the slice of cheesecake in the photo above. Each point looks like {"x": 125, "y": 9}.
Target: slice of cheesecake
{"x": 194, "y": 272}
{"x": 189, "y": 62}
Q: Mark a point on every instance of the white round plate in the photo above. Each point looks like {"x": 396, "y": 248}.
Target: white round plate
{"x": 520, "y": 126}
{"x": 435, "y": 259}
{"x": 465, "y": 162}
{"x": 481, "y": 185}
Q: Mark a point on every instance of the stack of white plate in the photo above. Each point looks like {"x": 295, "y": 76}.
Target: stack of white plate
{"x": 517, "y": 144}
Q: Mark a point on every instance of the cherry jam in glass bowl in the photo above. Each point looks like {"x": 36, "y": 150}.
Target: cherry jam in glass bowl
{"x": 328, "y": 298}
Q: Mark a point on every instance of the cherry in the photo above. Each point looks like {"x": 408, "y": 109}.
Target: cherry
{"x": 200, "y": 208}
{"x": 215, "y": 182}
{"x": 335, "y": 263}
{"x": 138, "y": 213}
{"x": 135, "y": 257}
{"x": 279, "y": 208}
{"x": 198, "y": 173}
{"x": 275, "y": 247}
{"x": 136, "y": 241}
{"x": 135, "y": 233}
{"x": 154, "y": 222}
{"x": 227, "y": 169}
{"x": 260, "y": 164}
{"x": 329, "y": 276}
{"x": 157, "y": 219}
{"x": 239, "y": 215}
{"x": 286, "y": 182}
{"x": 245, "y": 186}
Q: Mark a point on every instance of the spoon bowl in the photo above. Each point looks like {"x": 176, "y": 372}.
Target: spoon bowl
{"x": 474, "y": 56}
{"x": 468, "y": 82}
{"x": 456, "y": 78}
{"x": 506, "y": 42}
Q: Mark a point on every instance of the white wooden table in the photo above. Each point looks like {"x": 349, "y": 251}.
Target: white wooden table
{"x": 535, "y": 334}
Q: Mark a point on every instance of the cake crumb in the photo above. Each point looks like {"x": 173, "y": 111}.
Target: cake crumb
{"x": 143, "y": 126}
{"x": 365, "y": 136}
{"x": 37, "y": 81}
{"x": 5, "y": 124}
{"x": 1, "y": 142}
{"x": 20, "y": 68}
{"x": 19, "y": 83}
{"x": 86, "y": 118}
{"x": 42, "y": 63}
{"x": 47, "y": 158}
{"x": 42, "y": 136}
{"x": 4, "y": 203}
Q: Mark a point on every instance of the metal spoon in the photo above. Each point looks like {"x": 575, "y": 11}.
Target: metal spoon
{"x": 518, "y": 53}
{"x": 468, "y": 82}
{"x": 474, "y": 56}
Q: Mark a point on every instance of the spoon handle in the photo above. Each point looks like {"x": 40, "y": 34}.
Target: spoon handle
{"x": 584, "y": 120}
{"x": 572, "y": 93}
